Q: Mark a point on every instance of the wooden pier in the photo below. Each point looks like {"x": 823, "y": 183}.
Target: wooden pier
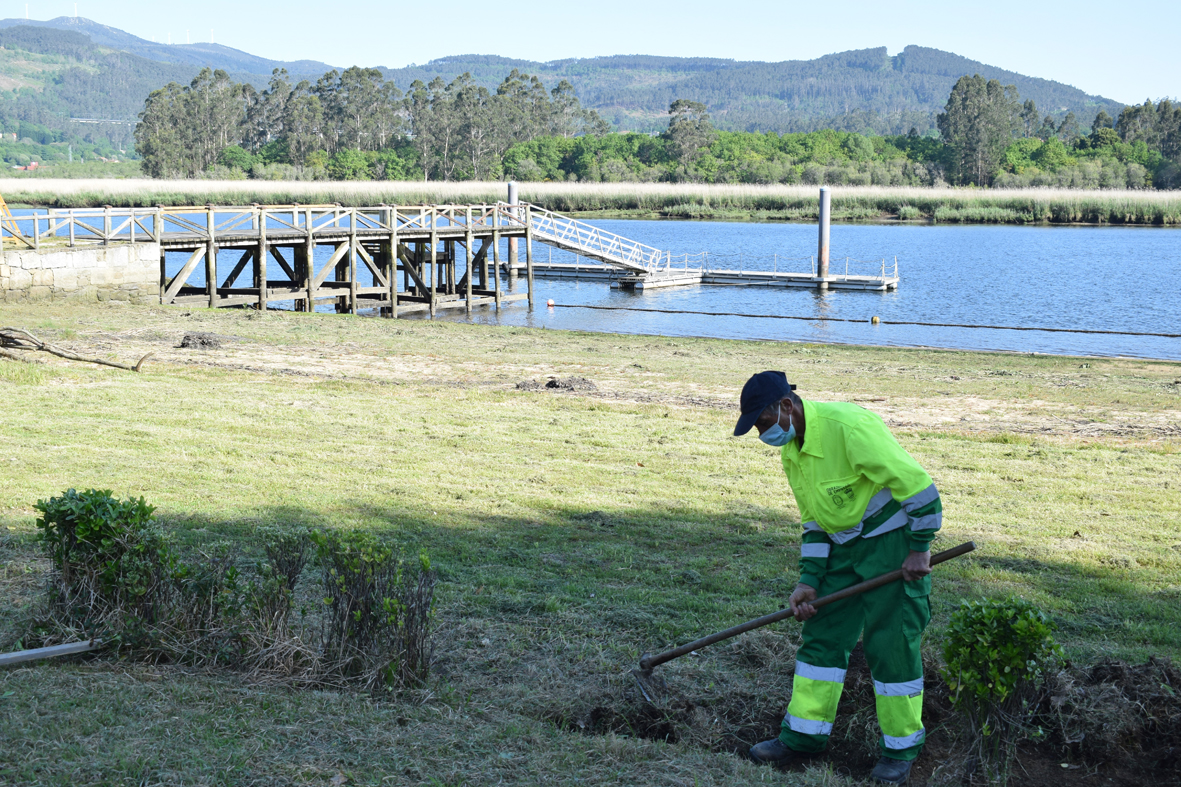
{"x": 396, "y": 260}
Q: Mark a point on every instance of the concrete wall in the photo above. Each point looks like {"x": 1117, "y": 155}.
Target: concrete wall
{"x": 121, "y": 272}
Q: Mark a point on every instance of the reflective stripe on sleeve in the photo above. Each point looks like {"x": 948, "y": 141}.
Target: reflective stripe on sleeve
{"x": 829, "y": 674}
{"x": 815, "y": 550}
{"x": 812, "y": 527}
{"x": 904, "y": 689}
{"x": 808, "y": 726}
{"x": 904, "y": 742}
{"x": 920, "y": 499}
{"x": 929, "y": 522}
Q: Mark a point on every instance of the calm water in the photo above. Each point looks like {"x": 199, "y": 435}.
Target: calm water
{"x": 1126, "y": 279}
{"x": 1091, "y": 278}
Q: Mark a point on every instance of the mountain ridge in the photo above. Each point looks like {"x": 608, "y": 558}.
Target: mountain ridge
{"x": 200, "y": 54}
{"x": 866, "y": 90}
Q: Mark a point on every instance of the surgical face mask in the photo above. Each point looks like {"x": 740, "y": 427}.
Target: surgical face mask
{"x": 775, "y": 435}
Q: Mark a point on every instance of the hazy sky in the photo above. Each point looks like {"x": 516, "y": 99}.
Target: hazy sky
{"x": 1125, "y": 51}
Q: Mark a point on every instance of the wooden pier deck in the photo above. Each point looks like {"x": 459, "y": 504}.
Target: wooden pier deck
{"x": 393, "y": 259}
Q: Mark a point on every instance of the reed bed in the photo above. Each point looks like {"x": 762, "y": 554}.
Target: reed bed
{"x": 673, "y": 200}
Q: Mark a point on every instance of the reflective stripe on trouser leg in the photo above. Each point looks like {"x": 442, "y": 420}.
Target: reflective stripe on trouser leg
{"x": 900, "y": 714}
{"x": 815, "y": 693}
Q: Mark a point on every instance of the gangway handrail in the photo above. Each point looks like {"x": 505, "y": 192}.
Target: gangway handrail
{"x": 588, "y": 240}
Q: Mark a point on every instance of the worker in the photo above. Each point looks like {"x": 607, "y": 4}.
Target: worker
{"x": 867, "y": 508}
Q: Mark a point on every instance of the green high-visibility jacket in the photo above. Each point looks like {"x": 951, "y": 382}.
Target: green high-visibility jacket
{"x": 851, "y": 479}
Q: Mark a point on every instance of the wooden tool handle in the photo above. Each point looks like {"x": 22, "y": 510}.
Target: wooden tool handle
{"x": 647, "y": 661}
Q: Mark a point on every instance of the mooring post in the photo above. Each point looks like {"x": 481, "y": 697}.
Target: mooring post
{"x": 529, "y": 252}
{"x": 825, "y": 219}
{"x": 512, "y": 241}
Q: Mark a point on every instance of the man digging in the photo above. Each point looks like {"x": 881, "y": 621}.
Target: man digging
{"x": 867, "y": 508}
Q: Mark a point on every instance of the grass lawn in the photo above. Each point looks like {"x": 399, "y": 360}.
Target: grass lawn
{"x": 572, "y": 531}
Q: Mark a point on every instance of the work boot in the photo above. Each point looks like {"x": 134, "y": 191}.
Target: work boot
{"x": 891, "y": 771}
{"x": 773, "y": 751}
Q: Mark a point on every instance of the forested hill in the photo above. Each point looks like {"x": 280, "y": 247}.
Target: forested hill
{"x": 198, "y": 55}
{"x": 74, "y": 67}
{"x": 862, "y": 90}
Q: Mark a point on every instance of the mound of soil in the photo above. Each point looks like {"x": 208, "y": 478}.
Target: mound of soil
{"x": 558, "y": 384}
{"x": 201, "y": 341}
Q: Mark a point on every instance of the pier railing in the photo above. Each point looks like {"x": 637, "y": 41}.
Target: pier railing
{"x": 79, "y": 226}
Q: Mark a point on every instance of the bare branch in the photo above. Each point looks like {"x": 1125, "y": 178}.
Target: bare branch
{"x": 20, "y": 339}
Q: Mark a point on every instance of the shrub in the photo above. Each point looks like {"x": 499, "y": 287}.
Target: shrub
{"x": 378, "y": 610}
{"x": 997, "y": 656}
{"x": 118, "y": 578}
{"x": 110, "y": 555}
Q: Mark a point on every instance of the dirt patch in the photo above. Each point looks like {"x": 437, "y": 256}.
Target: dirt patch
{"x": 200, "y": 341}
{"x": 573, "y": 384}
{"x": 1111, "y": 724}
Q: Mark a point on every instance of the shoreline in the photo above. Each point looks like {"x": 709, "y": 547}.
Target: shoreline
{"x": 874, "y": 204}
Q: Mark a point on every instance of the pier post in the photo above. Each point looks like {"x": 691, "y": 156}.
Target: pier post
{"x": 391, "y": 255}
{"x": 496, "y": 262}
{"x": 513, "y": 199}
{"x": 261, "y": 258}
{"x": 822, "y": 251}
{"x": 353, "y": 260}
{"x": 434, "y": 258}
{"x": 211, "y": 256}
{"x": 467, "y": 304}
{"x": 309, "y": 254}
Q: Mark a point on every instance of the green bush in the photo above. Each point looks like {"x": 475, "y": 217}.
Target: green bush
{"x": 378, "y": 611}
{"x": 108, "y": 552}
{"x": 997, "y": 656}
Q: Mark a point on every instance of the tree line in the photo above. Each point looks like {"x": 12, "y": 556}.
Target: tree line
{"x": 354, "y": 125}
{"x": 989, "y": 136}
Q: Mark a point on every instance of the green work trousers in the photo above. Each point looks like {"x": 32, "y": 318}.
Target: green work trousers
{"x": 891, "y": 620}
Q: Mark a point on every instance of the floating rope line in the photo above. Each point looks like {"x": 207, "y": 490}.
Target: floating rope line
{"x": 846, "y": 319}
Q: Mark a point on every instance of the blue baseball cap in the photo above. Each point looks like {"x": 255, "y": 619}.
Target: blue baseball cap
{"x": 761, "y": 391}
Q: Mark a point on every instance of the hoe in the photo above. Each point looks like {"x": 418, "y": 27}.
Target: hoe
{"x": 648, "y": 685}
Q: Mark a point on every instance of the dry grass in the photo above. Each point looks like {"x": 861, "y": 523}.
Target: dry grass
{"x": 673, "y": 199}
